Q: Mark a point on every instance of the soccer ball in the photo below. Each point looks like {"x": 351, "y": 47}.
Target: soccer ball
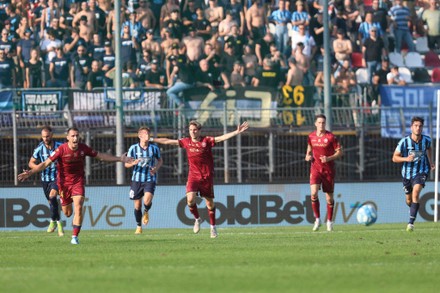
{"x": 367, "y": 215}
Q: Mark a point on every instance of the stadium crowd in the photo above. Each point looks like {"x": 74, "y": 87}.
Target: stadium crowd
{"x": 175, "y": 45}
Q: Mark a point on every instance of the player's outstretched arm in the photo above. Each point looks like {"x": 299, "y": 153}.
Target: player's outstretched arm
{"x": 38, "y": 168}
{"x": 165, "y": 141}
{"x": 240, "y": 128}
{"x": 110, "y": 158}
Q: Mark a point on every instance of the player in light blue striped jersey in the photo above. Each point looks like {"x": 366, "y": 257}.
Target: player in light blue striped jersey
{"x": 414, "y": 151}
{"x": 48, "y": 176}
{"x": 143, "y": 181}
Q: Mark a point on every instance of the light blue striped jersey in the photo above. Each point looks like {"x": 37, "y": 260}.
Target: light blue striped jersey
{"x": 41, "y": 153}
{"x": 148, "y": 158}
{"x": 401, "y": 16}
{"x": 421, "y": 164}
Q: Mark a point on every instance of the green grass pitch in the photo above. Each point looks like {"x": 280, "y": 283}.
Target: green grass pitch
{"x": 353, "y": 258}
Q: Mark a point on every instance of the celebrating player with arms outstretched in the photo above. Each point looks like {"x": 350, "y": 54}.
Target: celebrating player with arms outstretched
{"x": 414, "y": 152}
{"x": 201, "y": 168}
{"x": 70, "y": 157}
{"x": 322, "y": 149}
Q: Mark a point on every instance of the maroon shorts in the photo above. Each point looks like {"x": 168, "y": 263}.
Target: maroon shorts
{"x": 204, "y": 187}
{"x": 325, "y": 177}
{"x": 68, "y": 191}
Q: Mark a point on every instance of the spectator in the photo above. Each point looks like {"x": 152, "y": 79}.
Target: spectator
{"x": 108, "y": 58}
{"x": 72, "y": 42}
{"x": 174, "y": 24}
{"x": 96, "y": 48}
{"x": 295, "y": 75}
{"x": 194, "y": 45}
{"x": 100, "y": 18}
{"x": 250, "y": 62}
{"x": 431, "y": 17}
{"x": 236, "y": 9}
{"x": 144, "y": 65}
{"x": 281, "y": 17}
{"x": 303, "y": 37}
{"x": 95, "y": 77}
{"x": 48, "y": 46}
{"x": 372, "y": 50}
{"x": 86, "y": 13}
{"x": 189, "y": 14}
{"x": 225, "y": 26}
{"x": 13, "y": 18}
{"x": 66, "y": 20}
{"x": 127, "y": 78}
{"x": 365, "y": 28}
{"x": 262, "y": 47}
{"x": 24, "y": 47}
{"x": 7, "y": 71}
{"x": 129, "y": 46}
{"x": 166, "y": 12}
{"x": 202, "y": 25}
{"x": 7, "y": 45}
{"x": 235, "y": 37}
{"x": 145, "y": 15}
{"x": 268, "y": 76}
{"x": 237, "y": 76}
{"x": 303, "y": 63}
{"x": 342, "y": 47}
{"x": 134, "y": 27}
{"x": 380, "y": 15}
{"x": 183, "y": 74}
{"x": 167, "y": 42}
{"x": 208, "y": 77}
{"x": 47, "y": 15}
{"x": 23, "y": 27}
{"x": 256, "y": 20}
{"x": 317, "y": 30}
{"x": 400, "y": 16}
{"x": 214, "y": 14}
{"x": 34, "y": 71}
{"x": 300, "y": 17}
{"x": 59, "y": 70}
{"x": 150, "y": 44}
{"x": 228, "y": 58}
{"x": 80, "y": 69}
{"x": 394, "y": 77}
{"x": 155, "y": 77}
{"x": 383, "y": 71}
{"x": 85, "y": 31}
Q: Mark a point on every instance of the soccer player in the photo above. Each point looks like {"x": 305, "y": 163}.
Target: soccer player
{"x": 70, "y": 157}
{"x": 322, "y": 149}
{"x": 201, "y": 168}
{"x": 414, "y": 152}
{"x": 48, "y": 176}
{"x": 143, "y": 181}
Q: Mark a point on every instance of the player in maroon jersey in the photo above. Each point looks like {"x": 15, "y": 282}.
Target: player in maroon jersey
{"x": 322, "y": 149}
{"x": 70, "y": 158}
{"x": 201, "y": 168}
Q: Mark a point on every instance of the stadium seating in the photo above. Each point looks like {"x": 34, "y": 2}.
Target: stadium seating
{"x": 436, "y": 75}
{"x": 422, "y": 44}
{"x": 362, "y": 76}
{"x": 413, "y": 60}
{"x": 356, "y": 60}
{"x": 406, "y": 74}
{"x": 396, "y": 59}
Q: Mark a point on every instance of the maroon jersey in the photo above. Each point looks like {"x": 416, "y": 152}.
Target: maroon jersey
{"x": 71, "y": 163}
{"x": 325, "y": 145}
{"x": 200, "y": 159}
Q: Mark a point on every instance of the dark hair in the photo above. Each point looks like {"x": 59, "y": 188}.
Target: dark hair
{"x": 320, "y": 116}
{"x": 144, "y": 128}
{"x": 72, "y": 129}
{"x": 417, "y": 119}
{"x": 46, "y": 128}
{"x": 196, "y": 124}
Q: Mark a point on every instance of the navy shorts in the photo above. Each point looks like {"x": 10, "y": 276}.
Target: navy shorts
{"x": 138, "y": 189}
{"x": 409, "y": 183}
{"x": 48, "y": 186}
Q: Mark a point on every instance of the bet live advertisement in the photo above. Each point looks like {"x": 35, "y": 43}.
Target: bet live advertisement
{"x": 26, "y": 208}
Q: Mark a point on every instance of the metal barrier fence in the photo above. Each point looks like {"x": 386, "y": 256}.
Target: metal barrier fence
{"x": 272, "y": 154}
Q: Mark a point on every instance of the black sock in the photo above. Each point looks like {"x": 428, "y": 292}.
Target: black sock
{"x": 147, "y": 207}
{"x": 54, "y": 212}
{"x": 138, "y": 216}
{"x": 414, "y": 208}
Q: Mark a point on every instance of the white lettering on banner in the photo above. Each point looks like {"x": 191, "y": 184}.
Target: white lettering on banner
{"x": 408, "y": 97}
{"x": 88, "y": 100}
{"x": 41, "y": 99}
